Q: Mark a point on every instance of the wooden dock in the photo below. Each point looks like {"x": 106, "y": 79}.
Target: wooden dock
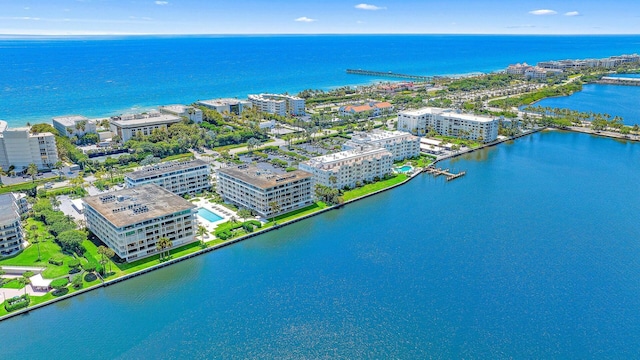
{"x": 389, "y": 74}
{"x": 438, "y": 171}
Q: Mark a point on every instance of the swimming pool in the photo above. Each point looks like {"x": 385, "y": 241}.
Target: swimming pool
{"x": 209, "y": 215}
{"x": 404, "y": 169}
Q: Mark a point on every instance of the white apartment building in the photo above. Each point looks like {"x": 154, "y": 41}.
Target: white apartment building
{"x": 449, "y": 123}
{"x": 347, "y": 168}
{"x": 278, "y": 104}
{"x": 19, "y": 147}
{"x": 179, "y": 177}
{"x": 190, "y": 112}
{"x": 255, "y": 189}
{"x": 11, "y": 234}
{"x": 74, "y": 125}
{"x": 231, "y": 106}
{"x": 401, "y": 144}
{"x": 130, "y": 221}
{"x": 127, "y": 126}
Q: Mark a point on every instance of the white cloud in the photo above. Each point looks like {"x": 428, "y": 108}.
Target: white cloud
{"x": 543, "y": 12}
{"x": 162, "y": 3}
{"x": 305, "y": 19}
{"x": 572, "y": 13}
{"x": 369, "y": 7}
{"x": 27, "y": 8}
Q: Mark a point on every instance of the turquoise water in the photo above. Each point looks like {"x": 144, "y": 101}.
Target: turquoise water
{"x": 533, "y": 254}
{"x": 404, "y": 169}
{"x": 41, "y": 78}
{"x": 209, "y": 215}
{"x": 606, "y": 99}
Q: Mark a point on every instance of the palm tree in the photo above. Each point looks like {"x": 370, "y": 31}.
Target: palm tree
{"x": 32, "y": 170}
{"x": 36, "y": 237}
{"x": 102, "y": 250}
{"x": 201, "y": 232}
{"x": 275, "y": 208}
{"x": 162, "y": 244}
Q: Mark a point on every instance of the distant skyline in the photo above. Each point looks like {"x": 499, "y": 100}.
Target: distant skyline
{"x": 120, "y": 17}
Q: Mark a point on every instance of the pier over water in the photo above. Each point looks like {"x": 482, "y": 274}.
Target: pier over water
{"x": 390, "y": 74}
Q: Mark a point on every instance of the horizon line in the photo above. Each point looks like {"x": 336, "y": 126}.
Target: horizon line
{"x": 3, "y": 35}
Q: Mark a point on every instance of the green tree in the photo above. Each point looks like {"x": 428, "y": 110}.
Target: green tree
{"x": 71, "y": 240}
{"x": 102, "y": 250}
{"x": 275, "y": 208}
{"x": 201, "y": 232}
{"x": 59, "y": 284}
{"x": 162, "y": 245}
{"x": 32, "y": 170}
{"x": 244, "y": 213}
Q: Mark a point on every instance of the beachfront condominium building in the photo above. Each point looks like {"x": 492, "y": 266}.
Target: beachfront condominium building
{"x": 448, "y": 122}
{"x": 179, "y": 177}
{"x": 11, "y": 234}
{"x": 19, "y": 148}
{"x": 130, "y": 221}
{"x": 255, "y": 189}
{"x": 401, "y": 144}
{"x": 372, "y": 108}
{"x": 127, "y": 126}
{"x": 222, "y": 106}
{"x": 351, "y": 167}
{"x": 74, "y": 125}
{"x": 189, "y": 112}
{"x": 278, "y": 104}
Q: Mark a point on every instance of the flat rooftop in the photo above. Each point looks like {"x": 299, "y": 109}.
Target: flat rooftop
{"x": 139, "y": 120}
{"x": 377, "y": 135}
{"x": 69, "y": 119}
{"x": 221, "y": 102}
{"x": 448, "y": 113}
{"x": 176, "y": 108}
{"x": 359, "y": 151}
{"x": 263, "y": 179}
{"x": 134, "y": 205}
{"x": 163, "y": 168}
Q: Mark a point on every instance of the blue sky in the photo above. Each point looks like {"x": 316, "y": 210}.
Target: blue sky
{"x": 75, "y": 17}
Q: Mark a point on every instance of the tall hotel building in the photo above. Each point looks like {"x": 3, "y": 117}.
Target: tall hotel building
{"x": 179, "y": 177}
{"x": 130, "y": 221}
{"x": 255, "y": 189}
{"x": 11, "y": 234}
{"x": 19, "y": 147}
{"x": 346, "y": 168}
{"x": 449, "y": 123}
{"x": 127, "y": 126}
{"x": 278, "y": 104}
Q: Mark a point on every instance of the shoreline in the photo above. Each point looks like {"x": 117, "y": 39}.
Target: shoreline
{"x": 289, "y": 222}
{"x": 251, "y": 235}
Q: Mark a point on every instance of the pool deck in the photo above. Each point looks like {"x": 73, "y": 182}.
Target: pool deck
{"x": 220, "y": 210}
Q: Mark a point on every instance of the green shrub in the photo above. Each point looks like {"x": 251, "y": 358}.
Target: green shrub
{"x": 27, "y": 274}
{"x": 248, "y": 227}
{"x": 59, "y": 283}
{"x": 17, "y": 302}
{"x": 56, "y": 261}
{"x": 90, "y": 266}
{"x": 73, "y": 263}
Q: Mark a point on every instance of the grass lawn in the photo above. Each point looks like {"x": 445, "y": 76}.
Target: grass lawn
{"x": 369, "y": 188}
{"x": 48, "y": 248}
{"x": 128, "y": 268}
{"x": 13, "y": 284}
{"x": 299, "y": 213}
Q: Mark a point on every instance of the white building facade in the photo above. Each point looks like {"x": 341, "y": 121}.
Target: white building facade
{"x": 350, "y": 167}
{"x": 278, "y": 104}
{"x": 179, "y": 177}
{"x": 401, "y": 144}
{"x": 256, "y": 189}
{"x": 74, "y": 125}
{"x": 231, "y": 106}
{"x": 190, "y": 112}
{"x": 19, "y": 147}
{"x": 448, "y": 122}
{"x": 11, "y": 233}
{"x": 127, "y": 126}
{"x": 131, "y": 221}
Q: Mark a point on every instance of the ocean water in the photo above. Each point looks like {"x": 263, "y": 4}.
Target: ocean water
{"x": 532, "y": 255}
{"x": 45, "y": 77}
{"x": 606, "y": 99}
